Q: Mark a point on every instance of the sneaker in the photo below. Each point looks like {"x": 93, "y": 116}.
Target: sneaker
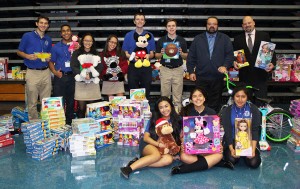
{"x": 125, "y": 171}
{"x": 132, "y": 161}
{"x": 175, "y": 170}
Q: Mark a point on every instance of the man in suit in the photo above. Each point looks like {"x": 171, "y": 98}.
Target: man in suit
{"x": 210, "y": 55}
{"x": 251, "y": 75}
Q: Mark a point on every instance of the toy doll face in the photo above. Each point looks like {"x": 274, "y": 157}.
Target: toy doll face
{"x": 243, "y": 126}
{"x": 165, "y": 109}
{"x": 42, "y": 25}
{"x": 66, "y": 33}
{"x": 139, "y": 21}
{"x": 248, "y": 24}
{"x": 265, "y": 48}
{"x": 87, "y": 42}
{"x": 198, "y": 98}
{"x": 240, "y": 98}
{"x": 171, "y": 28}
{"x": 112, "y": 43}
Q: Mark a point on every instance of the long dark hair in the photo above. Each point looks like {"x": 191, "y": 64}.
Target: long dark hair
{"x": 185, "y": 111}
{"x": 119, "y": 52}
{"x": 93, "y": 47}
{"x": 174, "y": 119}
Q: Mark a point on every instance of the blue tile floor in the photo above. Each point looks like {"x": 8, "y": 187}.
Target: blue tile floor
{"x": 279, "y": 169}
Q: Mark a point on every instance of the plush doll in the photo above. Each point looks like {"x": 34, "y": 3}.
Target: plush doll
{"x": 164, "y": 131}
{"x": 88, "y": 63}
{"x": 73, "y": 44}
{"x": 113, "y": 67}
{"x": 140, "y": 51}
{"x": 155, "y": 71}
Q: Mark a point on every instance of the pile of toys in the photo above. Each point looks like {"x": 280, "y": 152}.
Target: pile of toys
{"x": 287, "y": 68}
{"x": 5, "y": 136}
{"x": 294, "y": 141}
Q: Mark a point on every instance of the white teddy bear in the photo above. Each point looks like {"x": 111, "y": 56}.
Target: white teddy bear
{"x": 88, "y": 63}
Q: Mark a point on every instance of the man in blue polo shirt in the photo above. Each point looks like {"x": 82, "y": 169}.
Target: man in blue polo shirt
{"x": 38, "y": 76}
{"x": 64, "y": 82}
{"x": 139, "y": 77}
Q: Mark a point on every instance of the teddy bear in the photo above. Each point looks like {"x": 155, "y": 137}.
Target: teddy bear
{"x": 88, "y": 63}
{"x": 140, "y": 51}
{"x": 113, "y": 67}
{"x": 73, "y": 44}
{"x": 164, "y": 131}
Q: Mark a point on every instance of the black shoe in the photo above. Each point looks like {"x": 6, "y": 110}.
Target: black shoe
{"x": 228, "y": 165}
{"x": 175, "y": 170}
{"x": 132, "y": 161}
{"x": 125, "y": 171}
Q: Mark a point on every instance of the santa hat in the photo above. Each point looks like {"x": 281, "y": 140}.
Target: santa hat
{"x": 161, "y": 121}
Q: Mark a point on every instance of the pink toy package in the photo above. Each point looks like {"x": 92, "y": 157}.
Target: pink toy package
{"x": 201, "y": 134}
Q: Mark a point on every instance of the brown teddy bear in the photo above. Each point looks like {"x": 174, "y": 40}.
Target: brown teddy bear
{"x": 164, "y": 131}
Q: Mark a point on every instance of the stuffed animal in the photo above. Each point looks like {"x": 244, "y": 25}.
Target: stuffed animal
{"x": 73, "y": 44}
{"x": 113, "y": 67}
{"x": 88, "y": 63}
{"x": 155, "y": 71}
{"x": 164, "y": 130}
{"x": 140, "y": 51}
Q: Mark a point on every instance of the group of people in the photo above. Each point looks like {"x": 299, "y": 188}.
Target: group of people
{"x": 210, "y": 56}
{"x": 164, "y": 108}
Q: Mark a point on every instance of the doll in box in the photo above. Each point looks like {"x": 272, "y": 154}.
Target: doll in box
{"x": 242, "y": 135}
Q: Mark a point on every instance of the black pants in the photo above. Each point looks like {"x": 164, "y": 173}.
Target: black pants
{"x": 140, "y": 78}
{"x": 253, "y": 162}
{"x": 65, "y": 87}
{"x": 214, "y": 90}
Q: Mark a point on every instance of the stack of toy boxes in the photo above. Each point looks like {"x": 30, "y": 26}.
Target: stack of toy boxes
{"x": 283, "y": 67}
{"x": 45, "y": 148}
{"x": 81, "y": 145}
{"x": 53, "y": 111}
{"x": 3, "y": 67}
{"x": 5, "y": 136}
{"x": 294, "y": 141}
{"x": 114, "y": 102}
{"x": 295, "y": 74}
{"x": 63, "y": 132}
{"x": 130, "y": 124}
{"x": 34, "y": 132}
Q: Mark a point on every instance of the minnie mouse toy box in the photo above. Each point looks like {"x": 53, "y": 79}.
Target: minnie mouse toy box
{"x": 201, "y": 134}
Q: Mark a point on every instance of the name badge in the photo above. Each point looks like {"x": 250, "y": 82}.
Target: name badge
{"x": 67, "y": 64}
{"x": 168, "y": 60}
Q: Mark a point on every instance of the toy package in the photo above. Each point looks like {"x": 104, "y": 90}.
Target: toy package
{"x": 52, "y": 103}
{"x": 295, "y": 73}
{"x": 265, "y": 54}
{"x": 138, "y": 94}
{"x": 16, "y": 72}
{"x": 114, "y": 101}
{"x": 171, "y": 50}
{"x": 240, "y": 58}
{"x": 283, "y": 67}
{"x": 129, "y": 111}
{"x": 243, "y": 137}
{"x": 129, "y": 139}
{"x": 201, "y": 134}
{"x": 130, "y": 125}
{"x": 98, "y": 109}
{"x": 43, "y": 56}
{"x": 103, "y": 138}
{"x": 85, "y": 126}
{"x": 3, "y": 67}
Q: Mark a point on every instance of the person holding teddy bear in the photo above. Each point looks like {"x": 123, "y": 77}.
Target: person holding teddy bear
{"x": 150, "y": 145}
{"x": 87, "y": 86}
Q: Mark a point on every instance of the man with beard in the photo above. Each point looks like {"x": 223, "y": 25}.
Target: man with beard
{"x": 210, "y": 55}
{"x": 63, "y": 82}
{"x": 251, "y": 75}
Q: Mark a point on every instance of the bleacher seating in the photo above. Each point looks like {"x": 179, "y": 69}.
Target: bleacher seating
{"x": 103, "y": 17}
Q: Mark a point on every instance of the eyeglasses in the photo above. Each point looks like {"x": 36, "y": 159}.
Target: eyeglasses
{"x": 112, "y": 42}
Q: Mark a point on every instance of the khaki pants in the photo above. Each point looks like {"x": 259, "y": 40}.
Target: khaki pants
{"x": 172, "y": 84}
{"x": 38, "y": 85}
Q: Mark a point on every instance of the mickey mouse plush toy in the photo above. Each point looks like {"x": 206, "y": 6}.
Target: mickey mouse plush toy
{"x": 140, "y": 51}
